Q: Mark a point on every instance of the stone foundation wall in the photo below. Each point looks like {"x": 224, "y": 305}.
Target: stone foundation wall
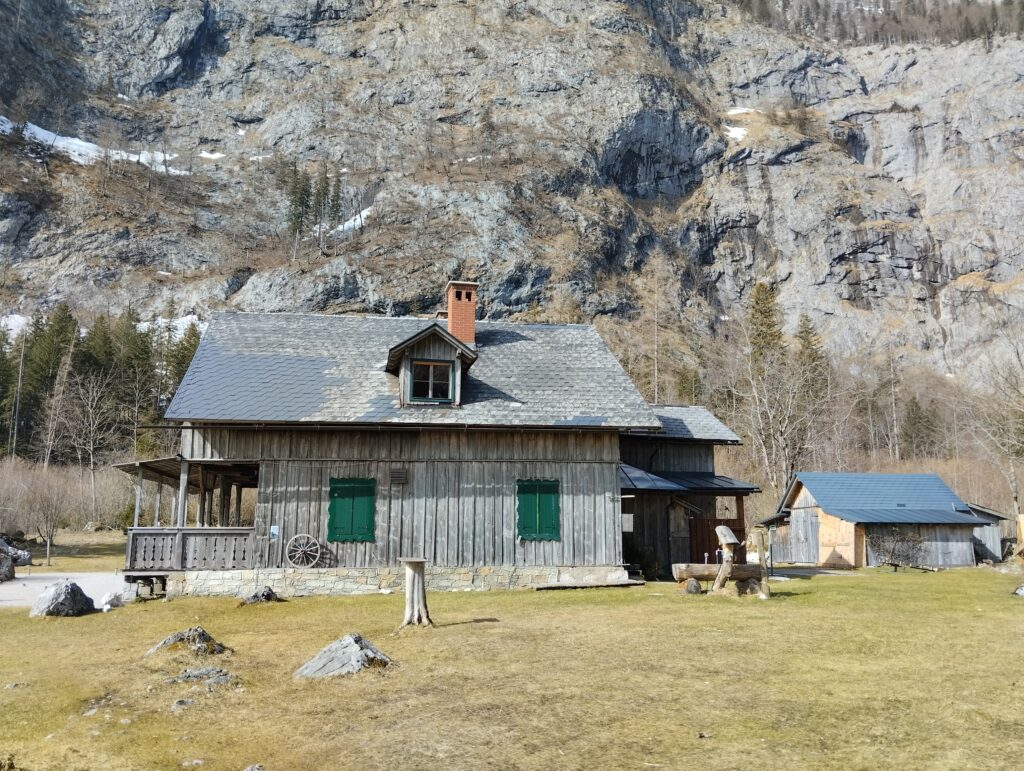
{"x": 292, "y": 582}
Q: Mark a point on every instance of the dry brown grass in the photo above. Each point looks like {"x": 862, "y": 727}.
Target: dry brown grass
{"x": 77, "y": 552}
{"x": 866, "y": 671}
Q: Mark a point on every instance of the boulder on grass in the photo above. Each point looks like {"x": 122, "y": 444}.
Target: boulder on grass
{"x": 21, "y": 557}
{"x": 111, "y": 600}
{"x": 196, "y": 639}
{"x": 692, "y": 586}
{"x": 64, "y": 598}
{"x": 266, "y": 594}
{"x": 6, "y": 567}
{"x": 351, "y": 654}
{"x": 1019, "y": 591}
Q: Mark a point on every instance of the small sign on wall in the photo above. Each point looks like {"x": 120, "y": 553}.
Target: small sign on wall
{"x": 627, "y": 523}
{"x": 275, "y": 532}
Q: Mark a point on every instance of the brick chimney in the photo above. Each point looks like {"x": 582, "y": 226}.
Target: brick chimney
{"x": 462, "y": 310}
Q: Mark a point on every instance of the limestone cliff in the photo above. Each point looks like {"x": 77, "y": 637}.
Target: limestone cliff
{"x": 576, "y": 158}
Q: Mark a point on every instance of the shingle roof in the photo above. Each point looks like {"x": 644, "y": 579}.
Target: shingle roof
{"x": 696, "y": 423}
{"x": 287, "y": 367}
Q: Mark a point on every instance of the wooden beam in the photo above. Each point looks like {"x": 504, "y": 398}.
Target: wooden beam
{"x": 740, "y": 515}
{"x": 201, "y": 511}
{"x": 708, "y": 572}
{"x": 156, "y": 504}
{"x": 182, "y": 493}
{"x": 238, "y": 505}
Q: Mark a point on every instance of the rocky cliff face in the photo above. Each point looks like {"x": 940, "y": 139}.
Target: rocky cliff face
{"x": 554, "y": 150}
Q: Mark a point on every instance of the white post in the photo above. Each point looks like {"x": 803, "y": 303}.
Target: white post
{"x": 138, "y": 498}
{"x": 156, "y": 503}
{"x": 416, "y": 612}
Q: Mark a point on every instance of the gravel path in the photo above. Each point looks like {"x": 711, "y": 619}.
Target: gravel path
{"x": 23, "y": 590}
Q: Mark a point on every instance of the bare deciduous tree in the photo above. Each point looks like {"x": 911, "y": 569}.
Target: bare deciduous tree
{"x": 91, "y": 422}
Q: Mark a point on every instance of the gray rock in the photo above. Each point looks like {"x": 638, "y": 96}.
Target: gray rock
{"x": 346, "y": 656}
{"x": 210, "y": 676}
{"x": 21, "y": 557}
{"x": 1019, "y": 591}
{"x": 195, "y": 639}
{"x": 692, "y": 586}
{"x": 180, "y": 704}
{"x": 64, "y": 598}
{"x": 6, "y": 567}
{"x": 266, "y": 594}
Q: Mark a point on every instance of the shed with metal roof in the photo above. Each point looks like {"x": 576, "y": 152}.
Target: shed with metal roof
{"x": 859, "y": 519}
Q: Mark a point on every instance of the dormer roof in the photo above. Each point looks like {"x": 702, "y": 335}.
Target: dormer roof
{"x": 463, "y": 352}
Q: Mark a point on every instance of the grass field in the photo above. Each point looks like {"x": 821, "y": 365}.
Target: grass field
{"x": 77, "y": 552}
{"x": 867, "y": 671}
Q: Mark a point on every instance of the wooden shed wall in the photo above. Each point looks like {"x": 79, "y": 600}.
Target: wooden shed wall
{"x": 457, "y": 506}
{"x": 656, "y": 455}
{"x": 838, "y": 543}
{"x": 797, "y": 541}
{"x": 944, "y": 545}
{"x": 988, "y": 538}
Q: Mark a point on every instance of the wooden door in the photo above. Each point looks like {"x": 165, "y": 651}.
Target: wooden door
{"x": 678, "y": 534}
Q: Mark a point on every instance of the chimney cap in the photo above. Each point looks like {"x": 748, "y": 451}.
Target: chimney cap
{"x": 461, "y": 283}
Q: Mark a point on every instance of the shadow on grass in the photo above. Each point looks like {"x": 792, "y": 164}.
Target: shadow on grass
{"x": 471, "y": 621}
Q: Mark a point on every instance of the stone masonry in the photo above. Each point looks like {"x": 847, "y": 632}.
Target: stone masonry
{"x": 292, "y": 582}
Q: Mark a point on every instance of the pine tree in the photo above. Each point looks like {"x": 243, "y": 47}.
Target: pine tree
{"x": 181, "y": 356}
{"x": 335, "y": 217}
{"x": 96, "y": 351}
{"x": 765, "y": 323}
{"x": 46, "y": 345}
{"x": 299, "y": 202}
{"x": 810, "y": 352}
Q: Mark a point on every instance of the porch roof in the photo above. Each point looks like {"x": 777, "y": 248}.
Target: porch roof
{"x": 168, "y": 470}
{"x": 689, "y": 482}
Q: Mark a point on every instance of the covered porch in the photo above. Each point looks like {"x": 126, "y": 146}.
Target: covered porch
{"x": 162, "y": 539}
{"x": 674, "y": 514}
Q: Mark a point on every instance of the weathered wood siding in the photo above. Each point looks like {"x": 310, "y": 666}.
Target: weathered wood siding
{"x": 944, "y": 545}
{"x": 988, "y": 538}
{"x": 797, "y": 541}
{"x": 656, "y": 455}
{"x": 457, "y": 506}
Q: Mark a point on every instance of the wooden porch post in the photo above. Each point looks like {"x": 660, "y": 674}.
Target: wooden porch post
{"x": 201, "y": 511}
{"x": 739, "y": 508}
{"x": 182, "y": 499}
{"x": 225, "y": 501}
{"x": 238, "y": 505}
{"x": 138, "y": 498}
{"x": 156, "y": 504}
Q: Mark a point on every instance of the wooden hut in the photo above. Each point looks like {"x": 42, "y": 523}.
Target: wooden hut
{"x": 832, "y": 519}
{"x": 490, "y": 449}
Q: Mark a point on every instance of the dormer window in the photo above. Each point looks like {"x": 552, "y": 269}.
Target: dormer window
{"x": 431, "y": 381}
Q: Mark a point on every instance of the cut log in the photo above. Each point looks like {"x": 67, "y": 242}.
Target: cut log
{"x": 416, "y": 613}
{"x": 684, "y": 570}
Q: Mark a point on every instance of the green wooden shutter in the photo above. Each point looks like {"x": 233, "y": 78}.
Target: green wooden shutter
{"x": 548, "y": 512}
{"x": 362, "y": 511}
{"x": 351, "y": 510}
{"x": 538, "y": 511}
{"x": 527, "y": 508}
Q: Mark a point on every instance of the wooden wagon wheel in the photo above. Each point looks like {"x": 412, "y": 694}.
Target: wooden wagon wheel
{"x": 302, "y": 551}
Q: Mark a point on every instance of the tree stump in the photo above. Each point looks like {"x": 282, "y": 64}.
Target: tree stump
{"x": 416, "y": 613}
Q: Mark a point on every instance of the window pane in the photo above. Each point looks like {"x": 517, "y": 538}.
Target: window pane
{"x": 421, "y": 381}
{"x": 441, "y": 388}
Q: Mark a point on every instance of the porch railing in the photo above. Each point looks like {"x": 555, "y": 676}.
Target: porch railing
{"x": 189, "y": 548}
